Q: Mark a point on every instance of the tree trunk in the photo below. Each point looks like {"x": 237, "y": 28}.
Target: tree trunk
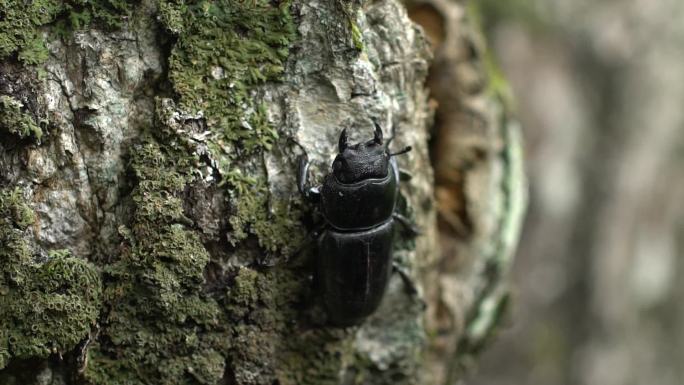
{"x": 152, "y": 231}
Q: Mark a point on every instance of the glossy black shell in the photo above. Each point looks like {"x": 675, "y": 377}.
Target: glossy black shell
{"x": 356, "y": 253}
{"x": 360, "y": 205}
{"x": 354, "y": 269}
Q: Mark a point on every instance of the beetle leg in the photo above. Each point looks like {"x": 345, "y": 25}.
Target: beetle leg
{"x": 411, "y": 287}
{"x": 311, "y": 194}
{"x": 310, "y": 238}
{"x": 317, "y": 231}
{"x": 408, "y": 282}
{"x": 404, "y": 175}
{"x": 408, "y": 226}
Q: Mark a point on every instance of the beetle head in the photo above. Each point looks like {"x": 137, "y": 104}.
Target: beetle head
{"x": 361, "y": 161}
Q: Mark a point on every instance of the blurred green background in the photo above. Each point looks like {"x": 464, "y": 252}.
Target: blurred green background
{"x": 599, "y": 89}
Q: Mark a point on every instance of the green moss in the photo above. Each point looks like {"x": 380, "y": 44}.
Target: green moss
{"x": 225, "y": 49}
{"x": 21, "y": 22}
{"x": 274, "y": 228}
{"x": 15, "y": 121}
{"x": 316, "y": 357}
{"x": 4, "y": 348}
{"x": 349, "y": 9}
{"x": 357, "y": 37}
{"x": 262, "y": 307}
{"x": 160, "y": 328}
{"x": 19, "y": 27}
{"x": 44, "y": 308}
{"x": 250, "y": 303}
{"x": 14, "y": 209}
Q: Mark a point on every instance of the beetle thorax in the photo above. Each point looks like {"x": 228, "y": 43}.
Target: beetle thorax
{"x": 361, "y": 162}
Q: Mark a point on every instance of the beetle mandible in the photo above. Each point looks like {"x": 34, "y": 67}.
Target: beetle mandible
{"x": 357, "y": 201}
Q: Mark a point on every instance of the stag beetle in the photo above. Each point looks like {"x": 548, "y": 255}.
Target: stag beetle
{"x": 357, "y": 201}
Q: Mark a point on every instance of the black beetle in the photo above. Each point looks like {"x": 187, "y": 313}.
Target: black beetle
{"x": 357, "y": 201}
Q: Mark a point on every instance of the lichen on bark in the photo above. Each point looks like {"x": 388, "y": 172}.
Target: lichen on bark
{"x": 14, "y": 121}
{"x": 23, "y": 23}
{"x": 160, "y": 327}
{"x": 223, "y": 50}
{"x": 45, "y": 308}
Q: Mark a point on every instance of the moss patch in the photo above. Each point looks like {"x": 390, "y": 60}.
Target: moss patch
{"x": 315, "y": 357}
{"x": 44, "y": 308}
{"x": 16, "y": 121}
{"x": 159, "y": 323}
{"x": 349, "y": 9}
{"x": 272, "y": 343}
{"x": 278, "y": 229}
{"x": 250, "y": 302}
{"x": 225, "y": 50}
{"x": 161, "y": 328}
{"x": 21, "y": 22}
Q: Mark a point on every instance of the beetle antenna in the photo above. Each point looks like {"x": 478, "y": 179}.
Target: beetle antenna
{"x": 391, "y": 138}
{"x": 389, "y": 141}
{"x": 402, "y": 151}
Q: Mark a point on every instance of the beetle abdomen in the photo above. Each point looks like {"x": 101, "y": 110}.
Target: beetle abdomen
{"x": 355, "y": 268}
{"x": 360, "y": 205}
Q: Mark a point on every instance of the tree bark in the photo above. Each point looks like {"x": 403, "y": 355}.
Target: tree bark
{"x": 152, "y": 232}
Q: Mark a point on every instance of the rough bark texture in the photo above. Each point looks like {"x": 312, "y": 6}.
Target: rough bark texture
{"x": 480, "y": 189}
{"x": 150, "y": 224}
